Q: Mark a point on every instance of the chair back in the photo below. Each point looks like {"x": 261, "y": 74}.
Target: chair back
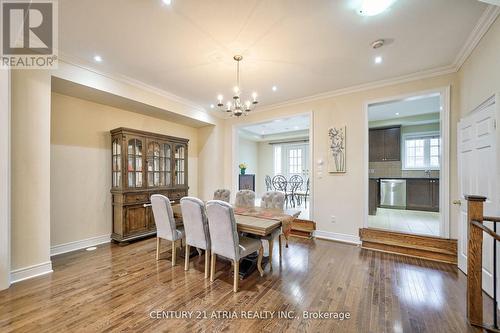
{"x": 245, "y": 198}
{"x": 279, "y": 183}
{"x": 273, "y": 199}
{"x": 195, "y": 223}
{"x": 222, "y": 194}
{"x": 296, "y": 182}
{"x": 223, "y": 230}
{"x": 164, "y": 217}
{"x": 269, "y": 183}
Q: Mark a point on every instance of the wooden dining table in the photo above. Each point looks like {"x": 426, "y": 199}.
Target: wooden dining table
{"x": 256, "y": 221}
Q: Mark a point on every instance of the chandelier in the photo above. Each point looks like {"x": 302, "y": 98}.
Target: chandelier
{"x": 236, "y": 106}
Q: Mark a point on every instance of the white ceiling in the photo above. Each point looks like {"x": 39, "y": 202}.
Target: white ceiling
{"x": 415, "y": 106}
{"x": 278, "y": 126}
{"x": 302, "y": 47}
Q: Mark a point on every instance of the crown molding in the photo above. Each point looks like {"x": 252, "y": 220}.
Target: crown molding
{"x": 484, "y": 23}
{"x": 74, "y": 61}
{"x": 482, "y": 26}
{"x": 364, "y": 87}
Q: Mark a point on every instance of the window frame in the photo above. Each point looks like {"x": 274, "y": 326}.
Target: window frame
{"x": 427, "y": 155}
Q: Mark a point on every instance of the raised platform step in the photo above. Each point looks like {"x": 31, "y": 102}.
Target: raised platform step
{"x": 303, "y": 228}
{"x": 424, "y": 247}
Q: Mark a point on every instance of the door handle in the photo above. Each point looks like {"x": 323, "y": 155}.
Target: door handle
{"x": 457, "y": 202}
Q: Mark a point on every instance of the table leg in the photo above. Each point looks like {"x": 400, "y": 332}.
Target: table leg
{"x": 259, "y": 261}
{"x": 271, "y": 243}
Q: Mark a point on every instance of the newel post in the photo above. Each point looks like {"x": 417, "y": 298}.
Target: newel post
{"x": 475, "y": 260}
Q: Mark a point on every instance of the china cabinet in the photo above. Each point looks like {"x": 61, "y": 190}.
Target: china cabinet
{"x": 144, "y": 164}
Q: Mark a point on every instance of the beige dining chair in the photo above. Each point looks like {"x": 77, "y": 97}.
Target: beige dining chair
{"x": 225, "y": 239}
{"x": 222, "y": 194}
{"x": 165, "y": 224}
{"x": 274, "y": 200}
{"x": 245, "y": 198}
{"x": 196, "y": 228}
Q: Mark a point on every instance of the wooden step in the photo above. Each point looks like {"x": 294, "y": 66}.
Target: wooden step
{"x": 303, "y": 228}
{"x": 425, "y": 247}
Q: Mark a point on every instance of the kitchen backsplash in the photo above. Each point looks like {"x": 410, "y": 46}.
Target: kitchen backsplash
{"x": 393, "y": 169}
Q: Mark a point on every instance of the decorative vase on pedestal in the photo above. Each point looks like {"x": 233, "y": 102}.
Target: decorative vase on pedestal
{"x": 242, "y": 171}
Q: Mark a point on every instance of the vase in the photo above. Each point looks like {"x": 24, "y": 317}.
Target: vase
{"x": 242, "y": 171}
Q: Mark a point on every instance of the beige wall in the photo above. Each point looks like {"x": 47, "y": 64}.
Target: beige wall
{"x": 4, "y": 179}
{"x": 30, "y": 168}
{"x": 480, "y": 75}
{"x": 266, "y": 165}
{"x": 80, "y": 164}
{"x": 342, "y": 195}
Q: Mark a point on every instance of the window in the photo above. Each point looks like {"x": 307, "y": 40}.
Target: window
{"x": 422, "y": 151}
{"x": 277, "y": 159}
{"x": 295, "y": 161}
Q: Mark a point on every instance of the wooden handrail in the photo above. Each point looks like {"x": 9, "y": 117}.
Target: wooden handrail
{"x": 486, "y": 229}
{"x": 475, "y": 218}
{"x": 491, "y": 219}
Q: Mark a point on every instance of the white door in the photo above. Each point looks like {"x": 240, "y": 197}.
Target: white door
{"x": 477, "y": 172}
{"x": 296, "y": 160}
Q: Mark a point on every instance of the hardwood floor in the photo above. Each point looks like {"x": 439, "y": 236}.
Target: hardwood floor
{"x": 115, "y": 288}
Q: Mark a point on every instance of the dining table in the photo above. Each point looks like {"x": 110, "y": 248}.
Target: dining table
{"x": 256, "y": 221}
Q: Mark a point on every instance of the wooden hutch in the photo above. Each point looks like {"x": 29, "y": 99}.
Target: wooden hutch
{"x": 144, "y": 164}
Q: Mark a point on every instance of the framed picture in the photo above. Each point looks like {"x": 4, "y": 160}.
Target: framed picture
{"x": 337, "y": 149}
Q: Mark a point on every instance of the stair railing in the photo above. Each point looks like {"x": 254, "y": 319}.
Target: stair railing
{"x": 475, "y": 219}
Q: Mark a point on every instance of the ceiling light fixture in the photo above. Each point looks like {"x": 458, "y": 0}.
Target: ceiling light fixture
{"x": 397, "y": 113}
{"x": 98, "y": 58}
{"x": 167, "y": 2}
{"x": 237, "y": 107}
{"x": 374, "y": 7}
{"x": 274, "y": 88}
{"x": 378, "y": 60}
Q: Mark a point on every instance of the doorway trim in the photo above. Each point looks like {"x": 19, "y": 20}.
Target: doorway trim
{"x": 234, "y": 145}
{"x": 444, "y": 174}
{"x": 5, "y": 174}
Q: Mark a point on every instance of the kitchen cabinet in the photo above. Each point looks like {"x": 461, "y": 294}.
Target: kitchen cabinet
{"x": 373, "y": 196}
{"x": 422, "y": 194}
{"x": 385, "y": 144}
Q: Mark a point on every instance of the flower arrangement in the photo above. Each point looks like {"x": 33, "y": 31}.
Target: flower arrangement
{"x": 243, "y": 168}
{"x": 337, "y": 147}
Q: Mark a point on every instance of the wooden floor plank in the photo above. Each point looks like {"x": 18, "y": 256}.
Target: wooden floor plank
{"x": 116, "y": 287}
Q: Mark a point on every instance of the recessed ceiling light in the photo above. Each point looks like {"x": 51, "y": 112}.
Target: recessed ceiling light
{"x": 167, "y": 2}
{"x": 212, "y": 106}
{"x": 441, "y": 108}
{"x": 378, "y": 60}
{"x": 274, "y": 88}
{"x": 375, "y": 7}
{"x": 97, "y": 58}
{"x": 397, "y": 113}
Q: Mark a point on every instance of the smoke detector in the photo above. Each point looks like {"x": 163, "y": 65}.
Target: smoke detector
{"x": 378, "y": 43}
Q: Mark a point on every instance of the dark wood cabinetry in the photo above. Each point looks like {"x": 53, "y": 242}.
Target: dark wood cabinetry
{"x": 385, "y": 144}
{"x": 246, "y": 182}
{"x": 422, "y": 194}
{"x": 373, "y": 196}
{"x": 143, "y": 164}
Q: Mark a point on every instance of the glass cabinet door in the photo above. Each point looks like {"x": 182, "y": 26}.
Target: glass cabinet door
{"x": 159, "y": 164}
{"x": 180, "y": 165}
{"x": 116, "y": 162}
{"x": 134, "y": 169}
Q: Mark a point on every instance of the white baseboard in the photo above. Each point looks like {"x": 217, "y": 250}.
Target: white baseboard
{"x": 30, "y": 272}
{"x": 80, "y": 244}
{"x": 334, "y": 236}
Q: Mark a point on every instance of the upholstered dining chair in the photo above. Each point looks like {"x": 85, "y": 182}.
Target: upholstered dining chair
{"x": 165, "y": 224}
{"x": 245, "y": 198}
{"x": 222, "y": 194}
{"x": 196, "y": 228}
{"x": 275, "y": 200}
{"x": 225, "y": 239}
